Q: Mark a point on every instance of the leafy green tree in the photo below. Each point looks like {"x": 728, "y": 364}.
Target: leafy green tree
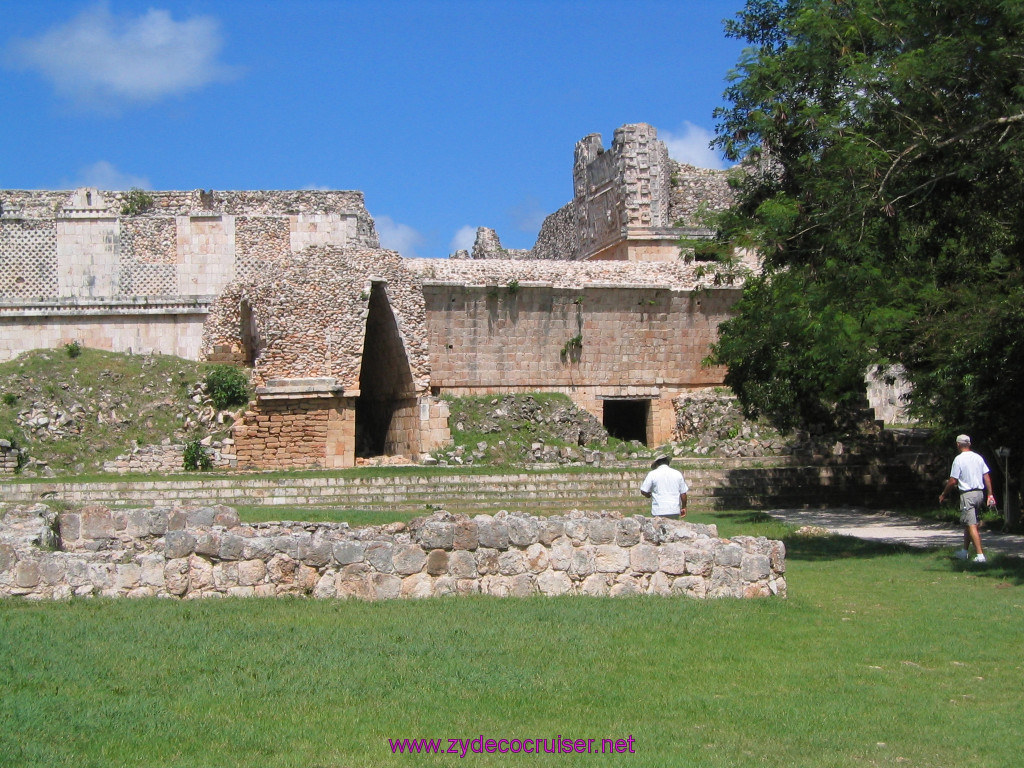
{"x": 884, "y": 146}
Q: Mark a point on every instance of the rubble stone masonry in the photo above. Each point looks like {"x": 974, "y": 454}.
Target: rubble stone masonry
{"x": 205, "y": 552}
{"x": 74, "y": 268}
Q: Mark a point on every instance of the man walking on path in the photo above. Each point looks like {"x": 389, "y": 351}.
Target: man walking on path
{"x": 666, "y": 489}
{"x": 971, "y": 475}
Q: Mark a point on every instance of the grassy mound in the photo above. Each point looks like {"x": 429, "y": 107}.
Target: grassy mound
{"x": 73, "y": 409}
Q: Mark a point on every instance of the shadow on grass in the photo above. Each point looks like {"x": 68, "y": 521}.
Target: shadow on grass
{"x": 1001, "y": 568}
{"x": 1006, "y": 570}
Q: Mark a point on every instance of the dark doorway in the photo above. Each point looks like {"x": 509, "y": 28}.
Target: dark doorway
{"x": 627, "y": 419}
{"x": 250, "y": 335}
{"x": 384, "y": 378}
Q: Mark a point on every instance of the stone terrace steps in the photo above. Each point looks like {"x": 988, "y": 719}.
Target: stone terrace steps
{"x": 548, "y": 492}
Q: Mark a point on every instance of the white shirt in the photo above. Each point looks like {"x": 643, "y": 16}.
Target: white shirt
{"x": 969, "y": 471}
{"x": 665, "y": 486}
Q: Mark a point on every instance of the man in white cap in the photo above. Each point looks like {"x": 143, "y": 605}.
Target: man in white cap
{"x": 666, "y": 489}
{"x": 971, "y": 476}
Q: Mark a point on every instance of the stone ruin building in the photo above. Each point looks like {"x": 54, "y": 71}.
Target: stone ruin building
{"x": 351, "y": 346}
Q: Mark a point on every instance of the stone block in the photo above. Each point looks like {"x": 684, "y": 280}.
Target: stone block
{"x": 258, "y": 548}
{"x": 627, "y": 532}
{"x": 577, "y": 530}
{"x": 200, "y": 573}
{"x": 384, "y": 586}
{"x": 523, "y": 585}
{"x": 728, "y": 555}
{"x": 625, "y": 586}
{"x": 436, "y": 535}
{"x": 437, "y": 562}
{"x": 643, "y": 558}
{"x": 466, "y": 535}
{"x": 755, "y": 567}
{"x": 417, "y": 585}
{"x": 596, "y": 585}
{"x": 610, "y": 558}
{"x": 511, "y": 563}
{"x": 316, "y": 552}
{"x": 522, "y": 531}
{"x": 672, "y": 558}
{"x": 462, "y": 564}
{"x": 603, "y": 531}
{"x": 549, "y": 531}
{"x": 26, "y": 574}
{"x": 96, "y": 523}
{"x": 231, "y": 547}
{"x": 554, "y": 583}
{"x": 536, "y": 556}
{"x": 699, "y": 562}
{"x": 346, "y": 552}
{"x": 176, "y": 579}
{"x": 380, "y": 556}
{"x": 251, "y": 572}
{"x": 178, "y": 544}
{"x": 583, "y": 561}
{"x": 725, "y": 582}
{"x": 409, "y": 559}
{"x": 691, "y": 586}
{"x": 487, "y": 561}
{"x": 493, "y": 534}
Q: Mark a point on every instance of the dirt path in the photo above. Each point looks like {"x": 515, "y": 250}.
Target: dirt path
{"x": 893, "y": 528}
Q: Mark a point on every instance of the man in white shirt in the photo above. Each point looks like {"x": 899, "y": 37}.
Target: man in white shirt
{"x": 666, "y": 489}
{"x": 970, "y": 475}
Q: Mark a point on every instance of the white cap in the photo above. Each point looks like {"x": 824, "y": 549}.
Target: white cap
{"x": 963, "y": 440}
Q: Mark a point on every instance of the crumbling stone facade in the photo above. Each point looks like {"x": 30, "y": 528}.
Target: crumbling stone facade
{"x": 352, "y": 347}
{"x": 73, "y": 267}
{"x": 631, "y": 202}
{"x": 205, "y": 552}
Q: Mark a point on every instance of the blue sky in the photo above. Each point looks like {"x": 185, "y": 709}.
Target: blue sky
{"x": 448, "y": 115}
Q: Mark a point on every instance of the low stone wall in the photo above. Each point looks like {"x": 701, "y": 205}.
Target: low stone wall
{"x": 205, "y": 552}
{"x": 170, "y": 457}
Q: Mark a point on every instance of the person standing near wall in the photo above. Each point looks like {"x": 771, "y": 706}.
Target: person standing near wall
{"x": 666, "y": 489}
{"x": 971, "y": 475}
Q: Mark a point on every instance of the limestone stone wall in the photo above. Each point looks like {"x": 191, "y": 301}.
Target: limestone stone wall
{"x": 60, "y": 250}
{"x": 297, "y": 434}
{"x": 169, "y": 457}
{"x": 205, "y": 552}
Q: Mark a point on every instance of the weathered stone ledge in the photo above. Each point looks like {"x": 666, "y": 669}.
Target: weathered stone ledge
{"x": 194, "y": 552}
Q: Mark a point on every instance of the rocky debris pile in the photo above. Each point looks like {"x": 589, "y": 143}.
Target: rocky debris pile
{"x": 527, "y": 430}
{"x": 711, "y": 423}
{"x": 190, "y": 552}
{"x": 71, "y": 413}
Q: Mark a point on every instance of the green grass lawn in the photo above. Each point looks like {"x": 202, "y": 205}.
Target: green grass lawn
{"x": 880, "y": 657}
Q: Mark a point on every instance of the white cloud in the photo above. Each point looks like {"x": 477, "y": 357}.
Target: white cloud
{"x": 100, "y": 60}
{"x": 104, "y": 175}
{"x": 464, "y": 239}
{"x": 398, "y": 237}
{"x": 691, "y": 146}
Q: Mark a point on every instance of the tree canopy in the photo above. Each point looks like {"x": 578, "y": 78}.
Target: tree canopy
{"x": 884, "y": 192}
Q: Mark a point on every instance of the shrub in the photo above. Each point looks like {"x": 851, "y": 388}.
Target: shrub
{"x": 227, "y": 386}
{"x": 73, "y": 348}
{"x": 195, "y": 457}
{"x": 136, "y": 201}
{"x": 9, "y": 398}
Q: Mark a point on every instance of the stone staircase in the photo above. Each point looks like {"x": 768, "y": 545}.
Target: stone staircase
{"x": 736, "y": 483}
